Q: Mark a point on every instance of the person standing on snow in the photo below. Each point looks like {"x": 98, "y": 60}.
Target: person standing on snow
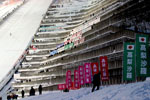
{"x": 32, "y": 91}
{"x": 22, "y": 93}
{"x": 40, "y": 89}
{"x": 96, "y": 81}
{"x": 8, "y": 97}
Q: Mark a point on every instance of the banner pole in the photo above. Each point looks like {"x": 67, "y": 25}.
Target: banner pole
{"x": 135, "y": 58}
{"x": 122, "y": 61}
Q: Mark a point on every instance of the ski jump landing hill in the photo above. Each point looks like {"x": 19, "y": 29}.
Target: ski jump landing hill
{"x": 8, "y": 7}
{"x": 15, "y": 35}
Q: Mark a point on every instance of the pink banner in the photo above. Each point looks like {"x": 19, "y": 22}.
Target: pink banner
{"x": 76, "y": 43}
{"x": 82, "y": 40}
{"x": 61, "y": 86}
{"x": 81, "y": 75}
{"x": 68, "y": 79}
{"x": 95, "y": 68}
{"x": 76, "y": 79}
{"x": 87, "y": 72}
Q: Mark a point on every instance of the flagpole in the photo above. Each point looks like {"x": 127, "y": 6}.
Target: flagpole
{"x": 135, "y": 59}
{"x": 122, "y": 61}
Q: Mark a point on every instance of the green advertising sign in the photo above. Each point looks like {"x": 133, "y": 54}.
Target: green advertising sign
{"x": 71, "y": 45}
{"x": 68, "y": 46}
{"x": 129, "y": 61}
{"x": 142, "y": 55}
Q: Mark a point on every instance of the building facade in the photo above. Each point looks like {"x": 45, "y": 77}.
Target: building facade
{"x": 74, "y": 32}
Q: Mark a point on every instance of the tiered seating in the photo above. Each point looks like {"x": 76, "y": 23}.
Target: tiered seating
{"x": 67, "y": 39}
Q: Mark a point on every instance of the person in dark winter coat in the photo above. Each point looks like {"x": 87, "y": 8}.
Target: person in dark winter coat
{"x": 40, "y": 89}
{"x": 14, "y": 96}
{"x": 32, "y": 91}
{"x": 96, "y": 81}
{"x": 22, "y": 93}
{"x": 8, "y": 97}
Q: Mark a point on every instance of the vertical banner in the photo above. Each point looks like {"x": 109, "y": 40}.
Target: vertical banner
{"x": 81, "y": 75}
{"x": 61, "y": 86}
{"x": 104, "y": 68}
{"x": 87, "y": 72}
{"x": 76, "y": 79}
{"x": 142, "y": 55}
{"x": 68, "y": 79}
{"x": 95, "y": 68}
{"x": 129, "y": 61}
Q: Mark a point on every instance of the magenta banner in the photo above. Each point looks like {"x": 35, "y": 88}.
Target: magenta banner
{"x": 61, "y": 86}
{"x": 68, "y": 79}
{"x": 76, "y": 79}
{"x": 87, "y": 72}
{"x": 81, "y": 75}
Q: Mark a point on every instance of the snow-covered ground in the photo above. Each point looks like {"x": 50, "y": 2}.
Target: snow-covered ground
{"x": 17, "y": 31}
{"x": 5, "y": 10}
{"x": 134, "y": 91}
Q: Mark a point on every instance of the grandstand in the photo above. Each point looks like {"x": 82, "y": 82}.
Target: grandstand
{"x": 73, "y": 32}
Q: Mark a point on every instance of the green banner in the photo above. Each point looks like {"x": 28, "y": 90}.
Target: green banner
{"x": 68, "y": 46}
{"x": 71, "y": 45}
{"x": 129, "y": 61}
{"x": 142, "y": 55}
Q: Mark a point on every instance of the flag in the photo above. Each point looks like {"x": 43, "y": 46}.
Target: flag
{"x": 130, "y": 47}
{"x": 87, "y": 72}
{"x": 142, "y": 55}
{"x": 68, "y": 79}
{"x": 61, "y": 86}
{"x": 95, "y": 68}
{"x": 81, "y": 75}
{"x": 104, "y": 68}
{"x": 76, "y": 79}
{"x": 129, "y": 61}
{"x": 142, "y": 39}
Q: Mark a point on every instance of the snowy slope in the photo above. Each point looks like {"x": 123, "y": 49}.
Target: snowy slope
{"x": 134, "y": 91}
{"x": 3, "y": 93}
{"x": 7, "y": 9}
{"x": 17, "y": 31}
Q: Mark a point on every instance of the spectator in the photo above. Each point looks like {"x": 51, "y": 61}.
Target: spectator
{"x": 66, "y": 90}
{"x": 32, "y": 91}
{"x": 11, "y": 96}
{"x": 15, "y": 97}
{"x": 40, "y": 89}
{"x": 22, "y": 93}
{"x": 8, "y": 97}
{"x": 96, "y": 81}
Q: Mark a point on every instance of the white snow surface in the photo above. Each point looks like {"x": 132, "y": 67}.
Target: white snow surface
{"x": 6, "y": 9}
{"x": 17, "y": 31}
{"x": 133, "y": 91}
